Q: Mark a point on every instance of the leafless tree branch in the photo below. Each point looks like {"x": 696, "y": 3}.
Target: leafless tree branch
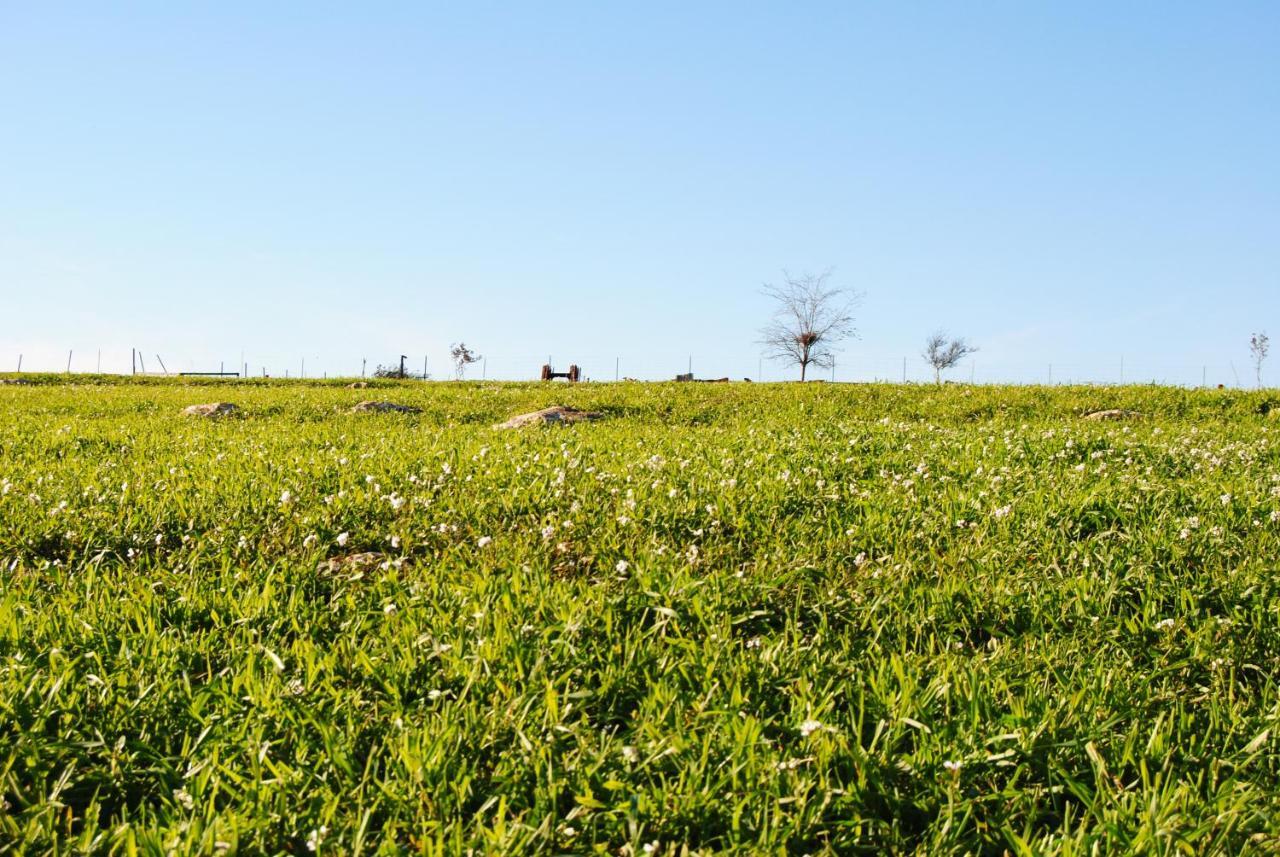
{"x": 462, "y": 357}
{"x": 1259, "y": 345}
{"x": 943, "y": 355}
{"x": 810, "y": 320}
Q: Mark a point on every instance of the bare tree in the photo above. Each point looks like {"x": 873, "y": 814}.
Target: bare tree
{"x": 810, "y": 320}
{"x": 462, "y": 358}
{"x": 942, "y": 354}
{"x": 1259, "y": 345}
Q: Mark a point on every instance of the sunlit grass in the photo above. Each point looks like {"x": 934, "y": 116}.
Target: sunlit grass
{"x": 751, "y": 618}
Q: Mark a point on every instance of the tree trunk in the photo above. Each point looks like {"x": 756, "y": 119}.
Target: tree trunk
{"x": 803, "y": 367}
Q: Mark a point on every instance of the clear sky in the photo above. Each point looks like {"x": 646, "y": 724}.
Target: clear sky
{"x": 1067, "y": 183}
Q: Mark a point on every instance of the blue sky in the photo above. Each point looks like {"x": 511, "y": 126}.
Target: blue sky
{"x": 1070, "y": 184}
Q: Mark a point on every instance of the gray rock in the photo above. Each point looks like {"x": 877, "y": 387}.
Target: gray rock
{"x": 1112, "y": 414}
{"x": 213, "y": 410}
{"x": 351, "y": 563}
{"x": 554, "y": 415}
{"x": 384, "y": 407}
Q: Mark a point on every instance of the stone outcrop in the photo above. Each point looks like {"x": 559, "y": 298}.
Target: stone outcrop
{"x": 554, "y": 415}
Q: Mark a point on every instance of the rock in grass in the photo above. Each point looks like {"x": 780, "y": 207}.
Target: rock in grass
{"x": 357, "y": 385}
{"x": 1112, "y": 414}
{"x": 554, "y": 415}
{"x": 384, "y": 407}
{"x": 212, "y": 410}
{"x": 351, "y": 563}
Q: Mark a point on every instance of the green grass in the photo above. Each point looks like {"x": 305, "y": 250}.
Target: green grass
{"x": 747, "y": 619}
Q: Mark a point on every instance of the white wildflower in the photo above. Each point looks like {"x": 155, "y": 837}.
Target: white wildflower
{"x": 808, "y": 727}
{"x": 315, "y": 837}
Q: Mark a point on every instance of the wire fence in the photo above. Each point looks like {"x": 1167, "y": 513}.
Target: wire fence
{"x": 644, "y": 367}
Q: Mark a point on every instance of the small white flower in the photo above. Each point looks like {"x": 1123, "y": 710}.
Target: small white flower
{"x": 808, "y": 727}
{"x": 316, "y": 837}
{"x": 285, "y": 497}
{"x": 548, "y": 532}
{"x": 183, "y": 799}
{"x": 434, "y": 694}
{"x": 622, "y": 566}
{"x": 1002, "y": 512}
{"x": 652, "y": 847}
{"x": 952, "y": 767}
{"x": 309, "y": 540}
{"x": 629, "y": 754}
{"x": 1164, "y": 624}
{"x": 343, "y": 538}
{"x": 389, "y": 607}
{"x": 484, "y": 542}
{"x": 1225, "y": 499}
{"x": 395, "y": 543}
{"x": 1275, "y": 516}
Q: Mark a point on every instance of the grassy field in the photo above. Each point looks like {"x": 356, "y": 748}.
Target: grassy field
{"x": 748, "y": 619}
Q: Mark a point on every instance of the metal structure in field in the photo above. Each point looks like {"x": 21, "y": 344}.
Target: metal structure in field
{"x": 573, "y": 376}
